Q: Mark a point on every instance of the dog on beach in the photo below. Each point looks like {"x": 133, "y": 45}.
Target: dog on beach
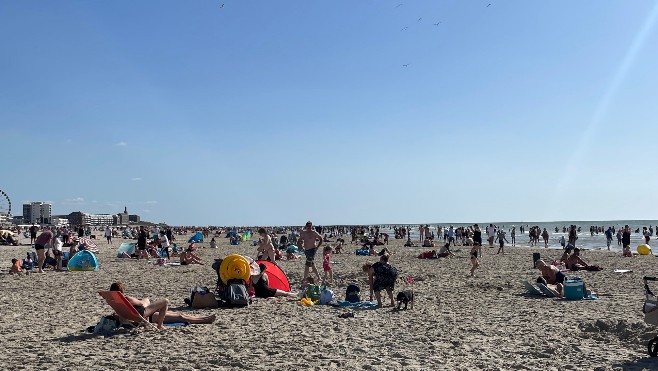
{"x": 405, "y": 297}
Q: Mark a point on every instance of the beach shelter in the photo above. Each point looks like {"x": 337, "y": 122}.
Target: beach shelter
{"x": 232, "y": 233}
{"x": 198, "y": 237}
{"x": 127, "y": 247}
{"x": 276, "y": 277}
{"x": 84, "y": 260}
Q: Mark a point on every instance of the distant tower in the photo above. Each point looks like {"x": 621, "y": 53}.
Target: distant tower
{"x": 125, "y": 209}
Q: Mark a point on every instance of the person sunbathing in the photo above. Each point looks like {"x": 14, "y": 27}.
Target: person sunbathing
{"x": 189, "y": 257}
{"x": 575, "y": 263}
{"x": 290, "y": 254}
{"x": 262, "y": 287}
{"x": 565, "y": 256}
{"x": 444, "y": 251}
{"x": 550, "y": 273}
{"x": 428, "y": 242}
{"x": 157, "y": 313}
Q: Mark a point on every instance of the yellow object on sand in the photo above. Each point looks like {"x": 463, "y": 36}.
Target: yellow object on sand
{"x": 644, "y": 249}
{"x": 234, "y": 267}
{"x": 306, "y": 301}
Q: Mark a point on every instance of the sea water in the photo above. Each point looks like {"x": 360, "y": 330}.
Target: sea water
{"x": 585, "y": 239}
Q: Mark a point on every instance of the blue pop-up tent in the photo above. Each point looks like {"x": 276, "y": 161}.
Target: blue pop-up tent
{"x": 84, "y": 260}
{"x": 198, "y": 237}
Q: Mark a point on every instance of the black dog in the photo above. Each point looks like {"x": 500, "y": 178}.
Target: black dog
{"x": 405, "y": 297}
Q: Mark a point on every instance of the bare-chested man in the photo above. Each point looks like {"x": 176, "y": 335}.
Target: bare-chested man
{"x": 308, "y": 238}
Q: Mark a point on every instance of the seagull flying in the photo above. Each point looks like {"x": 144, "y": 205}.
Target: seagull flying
{"x": 404, "y": 29}
{"x": 488, "y": 5}
{"x": 420, "y": 19}
{"x": 436, "y": 24}
{"x": 221, "y": 6}
{"x": 399, "y": 5}
{"x": 405, "y": 65}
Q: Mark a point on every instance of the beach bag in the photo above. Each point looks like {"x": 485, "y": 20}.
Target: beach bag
{"x": 352, "y": 293}
{"x": 235, "y": 294}
{"x": 201, "y": 298}
{"x": 313, "y": 292}
{"x": 106, "y": 325}
{"x": 326, "y": 296}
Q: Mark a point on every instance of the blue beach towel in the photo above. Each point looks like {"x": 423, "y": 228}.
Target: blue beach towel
{"x": 358, "y": 305}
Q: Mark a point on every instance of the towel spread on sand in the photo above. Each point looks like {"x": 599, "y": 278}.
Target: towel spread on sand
{"x": 358, "y": 305}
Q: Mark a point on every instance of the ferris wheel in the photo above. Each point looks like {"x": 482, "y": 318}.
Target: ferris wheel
{"x": 5, "y": 205}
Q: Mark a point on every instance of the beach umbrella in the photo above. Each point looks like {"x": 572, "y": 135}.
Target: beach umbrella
{"x": 276, "y": 277}
{"x": 88, "y": 242}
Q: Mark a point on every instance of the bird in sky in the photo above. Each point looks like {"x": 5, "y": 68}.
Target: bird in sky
{"x": 404, "y": 28}
{"x": 488, "y": 5}
{"x": 405, "y": 65}
{"x": 399, "y": 5}
{"x": 436, "y": 24}
{"x": 221, "y": 6}
{"x": 420, "y": 19}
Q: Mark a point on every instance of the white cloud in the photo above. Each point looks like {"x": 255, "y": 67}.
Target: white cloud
{"x": 136, "y": 179}
{"x": 77, "y": 200}
{"x": 121, "y": 144}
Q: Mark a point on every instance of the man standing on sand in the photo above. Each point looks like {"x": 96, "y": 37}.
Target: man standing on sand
{"x": 491, "y": 234}
{"x": 421, "y": 232}
{"x": 309, "y": 237}
{"x": 40, "y": 244}
{"x": 33, "y": 234}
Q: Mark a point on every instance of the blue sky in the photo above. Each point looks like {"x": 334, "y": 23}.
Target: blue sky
{"x": 266, "y": 112}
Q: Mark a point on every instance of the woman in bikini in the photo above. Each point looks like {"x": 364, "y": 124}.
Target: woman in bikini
{"x": 157, "y": 312}
{"x": 475, "y": 251}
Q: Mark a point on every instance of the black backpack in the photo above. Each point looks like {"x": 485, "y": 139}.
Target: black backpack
{"x": 352, "y": 293}
{"x": 235, "y": 294}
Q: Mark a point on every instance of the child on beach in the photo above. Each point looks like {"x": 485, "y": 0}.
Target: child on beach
{"x": 15, "y": 267}
{"x": 627, "y": 252}
{"x": 326, "y": 261}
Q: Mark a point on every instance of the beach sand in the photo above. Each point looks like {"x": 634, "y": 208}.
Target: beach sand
{"x": 458, "y": 322}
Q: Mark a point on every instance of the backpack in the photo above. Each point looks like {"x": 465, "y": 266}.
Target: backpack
{"x": 326, "y": 296}
{"x": 235, "y": 294}
{"x": 106, "y": 325}
{"x": 352, "y": 294}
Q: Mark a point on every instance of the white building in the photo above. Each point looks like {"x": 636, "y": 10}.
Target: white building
{"x": 59, "y": 222}
{"x": 37, "y": 213}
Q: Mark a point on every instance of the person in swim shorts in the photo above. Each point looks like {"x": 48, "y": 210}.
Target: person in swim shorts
{"x": 309, "y": 237}
{"x": 40, "y": 244}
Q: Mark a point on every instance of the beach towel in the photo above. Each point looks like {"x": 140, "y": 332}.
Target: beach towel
{"x": 357, "y": 305}
{"x": 622, "y": 270}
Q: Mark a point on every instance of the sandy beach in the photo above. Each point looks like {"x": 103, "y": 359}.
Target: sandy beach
{"x": 458, "y": 322}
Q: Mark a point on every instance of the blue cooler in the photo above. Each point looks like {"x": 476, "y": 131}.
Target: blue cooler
{"x": 573, "y": 289}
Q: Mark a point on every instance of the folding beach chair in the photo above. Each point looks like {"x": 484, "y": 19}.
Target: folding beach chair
{"x": 545, "y": 290}
{"x": 531, "y": 289}
{"x": 123, "y": 308}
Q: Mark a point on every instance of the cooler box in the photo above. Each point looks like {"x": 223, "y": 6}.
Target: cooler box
{"x": 573, "y": 289}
